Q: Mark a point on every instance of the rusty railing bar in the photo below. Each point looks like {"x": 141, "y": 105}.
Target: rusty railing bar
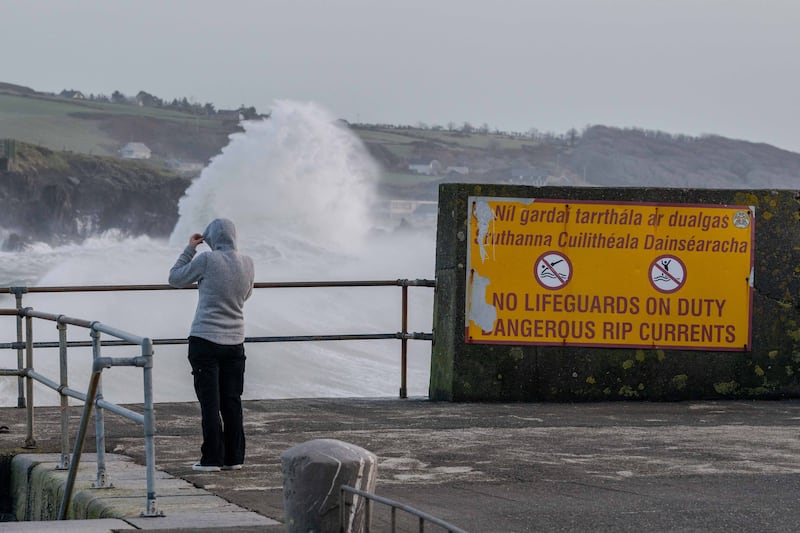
{"x": 258, "y": 285}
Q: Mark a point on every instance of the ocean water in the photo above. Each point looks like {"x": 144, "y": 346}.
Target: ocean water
{"x": 302, "y": 191}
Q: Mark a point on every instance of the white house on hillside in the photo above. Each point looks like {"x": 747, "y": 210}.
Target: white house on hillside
{"x": 432, "y": 168}
{"x": 134, "y": 151}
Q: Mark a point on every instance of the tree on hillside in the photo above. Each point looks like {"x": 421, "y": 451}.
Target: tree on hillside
{"x": 148, "y": 100}
{"x": 572, "y": 135}
{"x": 248, "y": 113}
{"x": 118, "y": 98}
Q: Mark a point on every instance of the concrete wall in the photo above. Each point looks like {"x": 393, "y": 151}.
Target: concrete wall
{"x": 492, "y": 372}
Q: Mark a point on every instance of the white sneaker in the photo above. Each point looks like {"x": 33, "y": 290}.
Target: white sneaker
{"x": 197, "y": 467}
{"x": 232, "y": 467}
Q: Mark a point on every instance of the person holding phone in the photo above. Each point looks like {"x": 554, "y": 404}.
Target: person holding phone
{"x": 224, "y": 280}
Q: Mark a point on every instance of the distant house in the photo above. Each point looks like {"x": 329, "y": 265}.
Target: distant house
{"x": 134, "y": 151}
{"x": 71, "y": 93}
{"x": 431, "y": 168}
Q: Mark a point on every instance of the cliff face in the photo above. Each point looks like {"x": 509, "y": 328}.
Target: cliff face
{"x": 58, "y": 197}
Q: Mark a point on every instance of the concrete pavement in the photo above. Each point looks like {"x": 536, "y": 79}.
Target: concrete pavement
{"x": 690, "y": 466}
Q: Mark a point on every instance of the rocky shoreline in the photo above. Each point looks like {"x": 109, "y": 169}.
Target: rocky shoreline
{"x": 57, "y": 198}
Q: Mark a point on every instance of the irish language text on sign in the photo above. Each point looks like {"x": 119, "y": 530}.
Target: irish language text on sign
{"x": 609, "y": 274}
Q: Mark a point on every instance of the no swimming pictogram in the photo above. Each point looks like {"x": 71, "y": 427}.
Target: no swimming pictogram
{"x": 553, "y": 270}
{"x": 667, "y": 274}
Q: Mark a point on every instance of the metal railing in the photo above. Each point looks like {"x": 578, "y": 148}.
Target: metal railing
{"x": 93, "y": 396}
{"x": 403, "y": 335}
{"x": 27, "y": 374}
{"x": 394, "y": 506}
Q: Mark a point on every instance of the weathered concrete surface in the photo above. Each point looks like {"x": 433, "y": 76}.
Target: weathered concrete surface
{"x": 482, "y": 372}
{"x": 511, "y": 467}
{"x": 103, "y": 525}
{"x": 38, "y": 488}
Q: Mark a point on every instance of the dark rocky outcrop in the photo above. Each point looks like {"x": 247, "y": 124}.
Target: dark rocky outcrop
{"x": 58, "y": 197}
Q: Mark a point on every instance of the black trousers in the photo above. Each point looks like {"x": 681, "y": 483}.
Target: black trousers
{"x": 218, "y": 372}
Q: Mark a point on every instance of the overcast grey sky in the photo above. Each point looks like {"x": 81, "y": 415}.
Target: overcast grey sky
{"x": 727, "y": 67}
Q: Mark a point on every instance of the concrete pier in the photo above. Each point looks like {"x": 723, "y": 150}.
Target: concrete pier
{"x": 511, "y": 467}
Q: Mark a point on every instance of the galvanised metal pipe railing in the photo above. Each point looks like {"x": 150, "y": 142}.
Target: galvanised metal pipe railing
{"x": 403, "y": 335}
{"x": 92, "y": 397}
{"x": 422, "y": 517}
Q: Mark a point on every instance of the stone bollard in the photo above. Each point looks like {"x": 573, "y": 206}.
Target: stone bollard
{"x": 313, "y": 473}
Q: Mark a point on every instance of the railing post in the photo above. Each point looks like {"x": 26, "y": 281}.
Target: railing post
{"x": 404, "y": 342}
{"x": 78, "y": 447}
{"x": 30, "y": 442}
{"x": 99, "y": 420}
{"x": 149, "y": 429}
{"x": 18, "y": 292}
{"x": 64, "y": 382}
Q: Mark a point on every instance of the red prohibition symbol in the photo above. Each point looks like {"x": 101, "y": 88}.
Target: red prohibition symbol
{"x": 553, "y": 270}
{"x": 667, "y": 274}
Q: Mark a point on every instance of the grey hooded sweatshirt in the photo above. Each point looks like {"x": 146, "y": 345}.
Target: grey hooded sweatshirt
{"x": 225, "y": 280}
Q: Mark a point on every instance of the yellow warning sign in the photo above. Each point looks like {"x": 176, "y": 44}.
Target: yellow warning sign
{"x": 589, "y": 273}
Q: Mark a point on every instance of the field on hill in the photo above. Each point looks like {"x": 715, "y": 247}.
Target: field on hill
{"x": 100, "y": 128}
{"x": 597, "y": 156}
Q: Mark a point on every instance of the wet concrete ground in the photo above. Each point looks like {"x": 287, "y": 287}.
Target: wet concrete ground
{"x": 691, "y": 466}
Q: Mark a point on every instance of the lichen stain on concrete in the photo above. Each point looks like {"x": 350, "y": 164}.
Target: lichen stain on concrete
{"x": 726, "y": 387}
{"x": 747, "y": 199}
{"x": 793, "y": 334}
{"x": 679, "y": 381}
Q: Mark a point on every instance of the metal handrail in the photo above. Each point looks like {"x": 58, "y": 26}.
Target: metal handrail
{"x": 93, "y": 396}
{"x": 395, "y": 506}
{"x": 403, "y": 335}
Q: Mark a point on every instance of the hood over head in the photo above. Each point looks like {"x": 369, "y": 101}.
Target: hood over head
{"x": 220, "y": 234}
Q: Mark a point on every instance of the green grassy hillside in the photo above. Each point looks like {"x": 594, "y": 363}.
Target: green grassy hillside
{"x": 99, "y": 128}
{"x": 597, "y": 156}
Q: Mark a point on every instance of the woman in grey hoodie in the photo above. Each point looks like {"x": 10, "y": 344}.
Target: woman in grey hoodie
{"x": 224, "y": 280}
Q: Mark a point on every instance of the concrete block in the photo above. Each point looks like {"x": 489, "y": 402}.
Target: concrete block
{"x": 313, "y": 473}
